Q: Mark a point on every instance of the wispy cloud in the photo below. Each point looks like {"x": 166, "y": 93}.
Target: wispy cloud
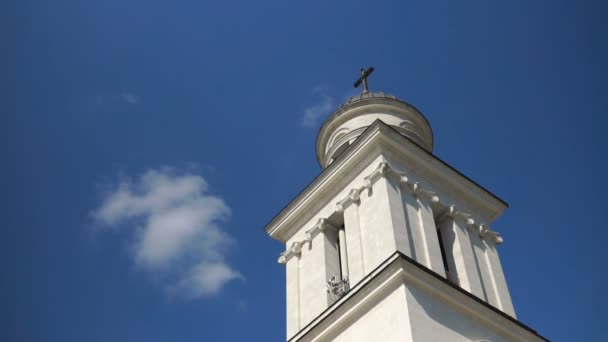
{"x": 323, "y": 106}
{"x": 104, "y": 100}
{"x": 176, "y": 227}
{"x": 130, "y": 98}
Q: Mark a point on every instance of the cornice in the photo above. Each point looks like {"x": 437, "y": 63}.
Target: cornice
{"x": 385, "y": 170}
{"x": 435, "y": 169}
{"x": 281, "y": 226}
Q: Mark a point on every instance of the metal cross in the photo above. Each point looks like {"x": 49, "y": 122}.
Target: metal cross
{"x": 363, "y": 79}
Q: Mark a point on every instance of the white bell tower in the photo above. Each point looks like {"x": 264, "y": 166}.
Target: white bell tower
{"x": 390, "y": 243}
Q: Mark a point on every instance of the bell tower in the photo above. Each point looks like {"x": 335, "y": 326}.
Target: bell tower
{"x": 390, "y": 243}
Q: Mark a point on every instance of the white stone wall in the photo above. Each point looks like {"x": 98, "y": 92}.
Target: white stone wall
{"x": 319, "y": 261}
{"x": 387, "y": 205}
{"x": 384, "y": 320}
{"x": 406, "y": 313}
{"x": 501, "y": 296}
{"x": 309, "y": 270}
{"x": 421, "y": 226}
{"x": 461, "y": 255}
{"x": 354, "y": 241}
{"x": 292, "y": 275}
{"x": 472, "y": 258}
{"x": 434, "y": 320}
{"x": 382, "y": 223}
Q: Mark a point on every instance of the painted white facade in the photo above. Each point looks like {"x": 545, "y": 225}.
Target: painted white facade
{"x": 386, "y": 196}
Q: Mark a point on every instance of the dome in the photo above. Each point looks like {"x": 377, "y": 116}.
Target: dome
{"x": 349, "y": 121}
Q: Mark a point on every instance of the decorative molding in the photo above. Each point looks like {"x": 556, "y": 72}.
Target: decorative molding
{"x": 495, "y": 236}
{"x": 417, "y": 190}
{"x": 353, "y": 196}
{"x": 322, "y": 224}
{"x": 482, "y": 229}
{"x": 296, "y": 247}
{"x": 455, "y": 214}
{"x": 384, "y": 170}
{"x": 380, "y": 139}
{"x": 294, "y": 250}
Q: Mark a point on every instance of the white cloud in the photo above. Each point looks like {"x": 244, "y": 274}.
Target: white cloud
{"x": 130, "y": 98}
{"x": 176, "y": 228}
{"x": 204, "y": 279}
{"x": 325, "y": 104}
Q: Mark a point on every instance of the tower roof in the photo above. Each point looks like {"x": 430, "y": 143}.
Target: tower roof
{"x": 347, "y": 123}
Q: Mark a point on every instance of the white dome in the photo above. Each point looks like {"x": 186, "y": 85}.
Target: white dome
{"x": 349, "y": 121}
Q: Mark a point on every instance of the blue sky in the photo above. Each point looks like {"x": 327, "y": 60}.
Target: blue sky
{"x": 120, "y": 118}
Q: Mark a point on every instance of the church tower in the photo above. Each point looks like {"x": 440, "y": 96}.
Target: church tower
{"x": 390, "y": 243}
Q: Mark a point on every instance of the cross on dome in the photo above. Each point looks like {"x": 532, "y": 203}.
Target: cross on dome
{"x": 363, "y": 79}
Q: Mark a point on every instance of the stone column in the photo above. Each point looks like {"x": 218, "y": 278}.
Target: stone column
{"x": 355, "y": 257}
{"x": 422, "y": 231}
{"x": 487, "y": 281}
{"x": 293, "y": 296}
{"x": 382, "y": 219}
{"x": 503, "y": 296}
{"x": 343, "y": 253}
{"x": 460, "y": 254}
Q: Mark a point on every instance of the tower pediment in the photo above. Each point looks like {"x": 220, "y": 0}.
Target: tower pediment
{"x": 381, "y": 139}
